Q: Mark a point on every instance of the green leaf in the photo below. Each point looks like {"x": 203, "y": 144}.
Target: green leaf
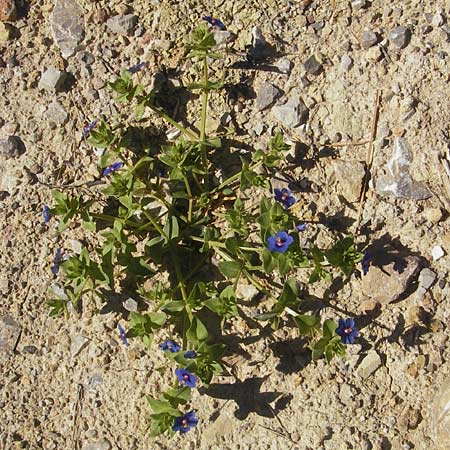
{"x": 307, "y": 324}
{"x": 178, "y": 396}
{"x": 230, "y": 269}
{"x": 197, "y": 331}
{"x": 173, "y": 307}
{"x": 329, "y": 328}
{"x": 162, "y": 407}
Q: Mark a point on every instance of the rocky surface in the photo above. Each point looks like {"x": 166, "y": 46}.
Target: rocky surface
{"x": 382, "y": 396}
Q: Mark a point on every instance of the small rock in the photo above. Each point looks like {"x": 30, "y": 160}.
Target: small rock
{"x": 6, "y": 32}
{"x": 349, "y": 176}
{"x": 426, "y": 278}
{"x": 260, "y": 49}
{"x": 222, "y": 37}
{"x": 9, "y": 334}
{"x": 98, "y": 445}
{"x": 8, "y": 10}
{"x": 369, "y": 364}
{"x": 284, "y": 65}
{"x": 31, "y": 349}
{"x": 373, "y": 54}
{"x": 52, "y": 80}
{"x": 400, "y": 37}
{"x": 56, "y": 113}
{"x": 312, "y": 65}
{"x": 292, "y": 114}
{"x": 78, "y": 342}
{"x": 346, "y": 62}
{"x": 437, "y": 252}
{"x": 398, "y": 181}
{"x": 267, "y": 94}
{"x": 11, "y": 147}
{"x": 122, "y": 24}
{"x": 368, "y": 39}
{"x": 437, "y": 20}
{"x": 359, "y": 4}
{"x": 86, "y": 58}
{"x": 389, "y": 276}
{"x": 433, "y": 215}
{"x": 130, "y": 304}
{"x": 66, "y": 22}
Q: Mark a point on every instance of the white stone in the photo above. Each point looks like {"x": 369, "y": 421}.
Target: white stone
{"x": 437, "y": 252}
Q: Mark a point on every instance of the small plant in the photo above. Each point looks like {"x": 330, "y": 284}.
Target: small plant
{"x": 163, "y": 212}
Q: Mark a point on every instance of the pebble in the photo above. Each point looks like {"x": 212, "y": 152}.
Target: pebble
{"x": 292, "y": 114}
{"x": 98, "y": 445}
{"x": 400, "y": 37}
{"x": 66, "y": 23}
{"x": 78, "y": 342}
{"x": 359, "y": 4}
{"x": 284, "y": 65}
{"x": 260, "y": 49}
{"x": 433, "y": 215}
{"x": 426, "y": 279}
{"x": 130, "y": 304}
{"x": 266, "y": 96}
{"x": 312, "y": 65}
{"x": 11, "y": 147}
{"x": 346, "y": 62}
{"x": 349, "y": 176}
{"x": 52, "y": 80}
{"x": 9, "y": 334}
{"x": 398, "y": 181}
{"x": 222, "y": 37}
{"x": 122, "y": 24}
{"x": 437, "y": 20}
{"x": 8, "y": 10}
{"x": 86, "y": 58}
{"x": 368, "y": 39}
{"x": 437, "y": 252}
{"x": 56, "y": 113}
{"x": 369, "y": 364}
{"x": 6, "y": 32}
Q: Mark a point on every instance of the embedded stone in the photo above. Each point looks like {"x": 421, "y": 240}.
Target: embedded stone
{"x": 312, "y": 65}
{"x": 66, "y": 23}
{"x": 11, "y": 147}
{"x": 369, "y": 364}
{"x": 52, "y": 80}
{"x": 122, "y": 24}
{"x": 349, "y": 176}
{"x": 368, "y": 39}
{"x": 9, "y": 334}
{"x": 292, "y": 114}
{"x": 400, "y": 37}
{"x": 267, "y": 94}
{"x": 56, "y": 113}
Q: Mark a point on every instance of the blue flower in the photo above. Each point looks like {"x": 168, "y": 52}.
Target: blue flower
{"x": 186, "y": 378}
{"x": 46, "y": 214}
{"x": 170, "y": 345}
{"x": 136, "y": 68}
{"x": 301, "y": 227}
{"x": 365, "y": 263}
{"x": 280, "y": 242}
{"x": 284, "y": 197}
{"x": 190, "y": 354}
{"x": 87, "y": 128}
{"x": 112, "y": 168}
{"x": 56, "y": 259}
{"x": 123, "y": 335}
{"x": 215, "y": 22}
{"x": 347, "y": 331}
{"x": 185, "y": 422}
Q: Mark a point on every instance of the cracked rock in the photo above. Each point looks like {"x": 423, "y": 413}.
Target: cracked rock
{"x": 52, "y": 80}
{"x": 66, "y": 23}
{"x": 398, "y": 181}
{"x": 267, "y": 94}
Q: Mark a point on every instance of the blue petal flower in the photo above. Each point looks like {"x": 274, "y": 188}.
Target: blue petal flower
{"x": 56, "y": 259}
{"x": 284, "y": 197}
{"x": 280, "y": 242}
{"x": 87, "y": 128}
{"x": 112, "y": 168}
{"x": 46, "y": 214}
{"x": 365, "y": 263}
{"x": 136, "y": 68}
{"x": 185, "y": 422}
{"x": 347, "y": 331}
{"x": 216, "y": 23}
{"x": 123, "y": 335}
{"x": 190, "y": 354}
{"x": 186, "y": 378}
{"x": 170, "y": 346}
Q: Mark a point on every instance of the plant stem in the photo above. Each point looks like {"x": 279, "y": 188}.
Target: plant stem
{"x": 191, "y": 200}
{"x": 234, "y": 177}
{"x": 192, "y": 136}
{"x": 203, "y": 121}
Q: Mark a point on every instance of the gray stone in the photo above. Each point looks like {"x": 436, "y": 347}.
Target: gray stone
{"x": 389, "y": 276}
{"x": 349, "y": 177}
{"x": 292, "y": 114}
{"x": 437, "y": 20}
{"x": 437, "y": 252}
{"x": 426, "y": 278}
{"x": 312, "y": 65}
{"x": 98, "y": 445}
{"x": 11, "y": 147}
{"x": 368, "y": 39}
{"x": 359, "y": 4}
{"x": 52, "y": 80}
{"x": 284, "y": 65}
{"x": 346, "y": 62}
{"x": 56, "y": 113}
{"x": 86, "y": 58}
{"x": 369, "y": 364}
{"x": 400, "y": 37}
{"x": 222, "y": 37}
{"x": 398, "y": 181}
{"x": 267, "y": 94}
{"x": 66, "y": 22}
{"x": 130, "y": 304}
{"x": 78, "y": 342}
{"x": 9, "y": 334}
{"x": 122, "y": 24}
{"x": 260, "y": 48}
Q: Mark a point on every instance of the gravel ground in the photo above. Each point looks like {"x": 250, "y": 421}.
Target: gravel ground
{"x": 359, "y": 68}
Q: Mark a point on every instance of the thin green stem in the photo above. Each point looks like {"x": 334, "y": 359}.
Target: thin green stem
{"x": 234, "y": 177}
{"x": 191, "y": 200}
{"x": 203, "y": 122}
{"x": 192, "y": 136}
{"x": 113, "y": 218}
